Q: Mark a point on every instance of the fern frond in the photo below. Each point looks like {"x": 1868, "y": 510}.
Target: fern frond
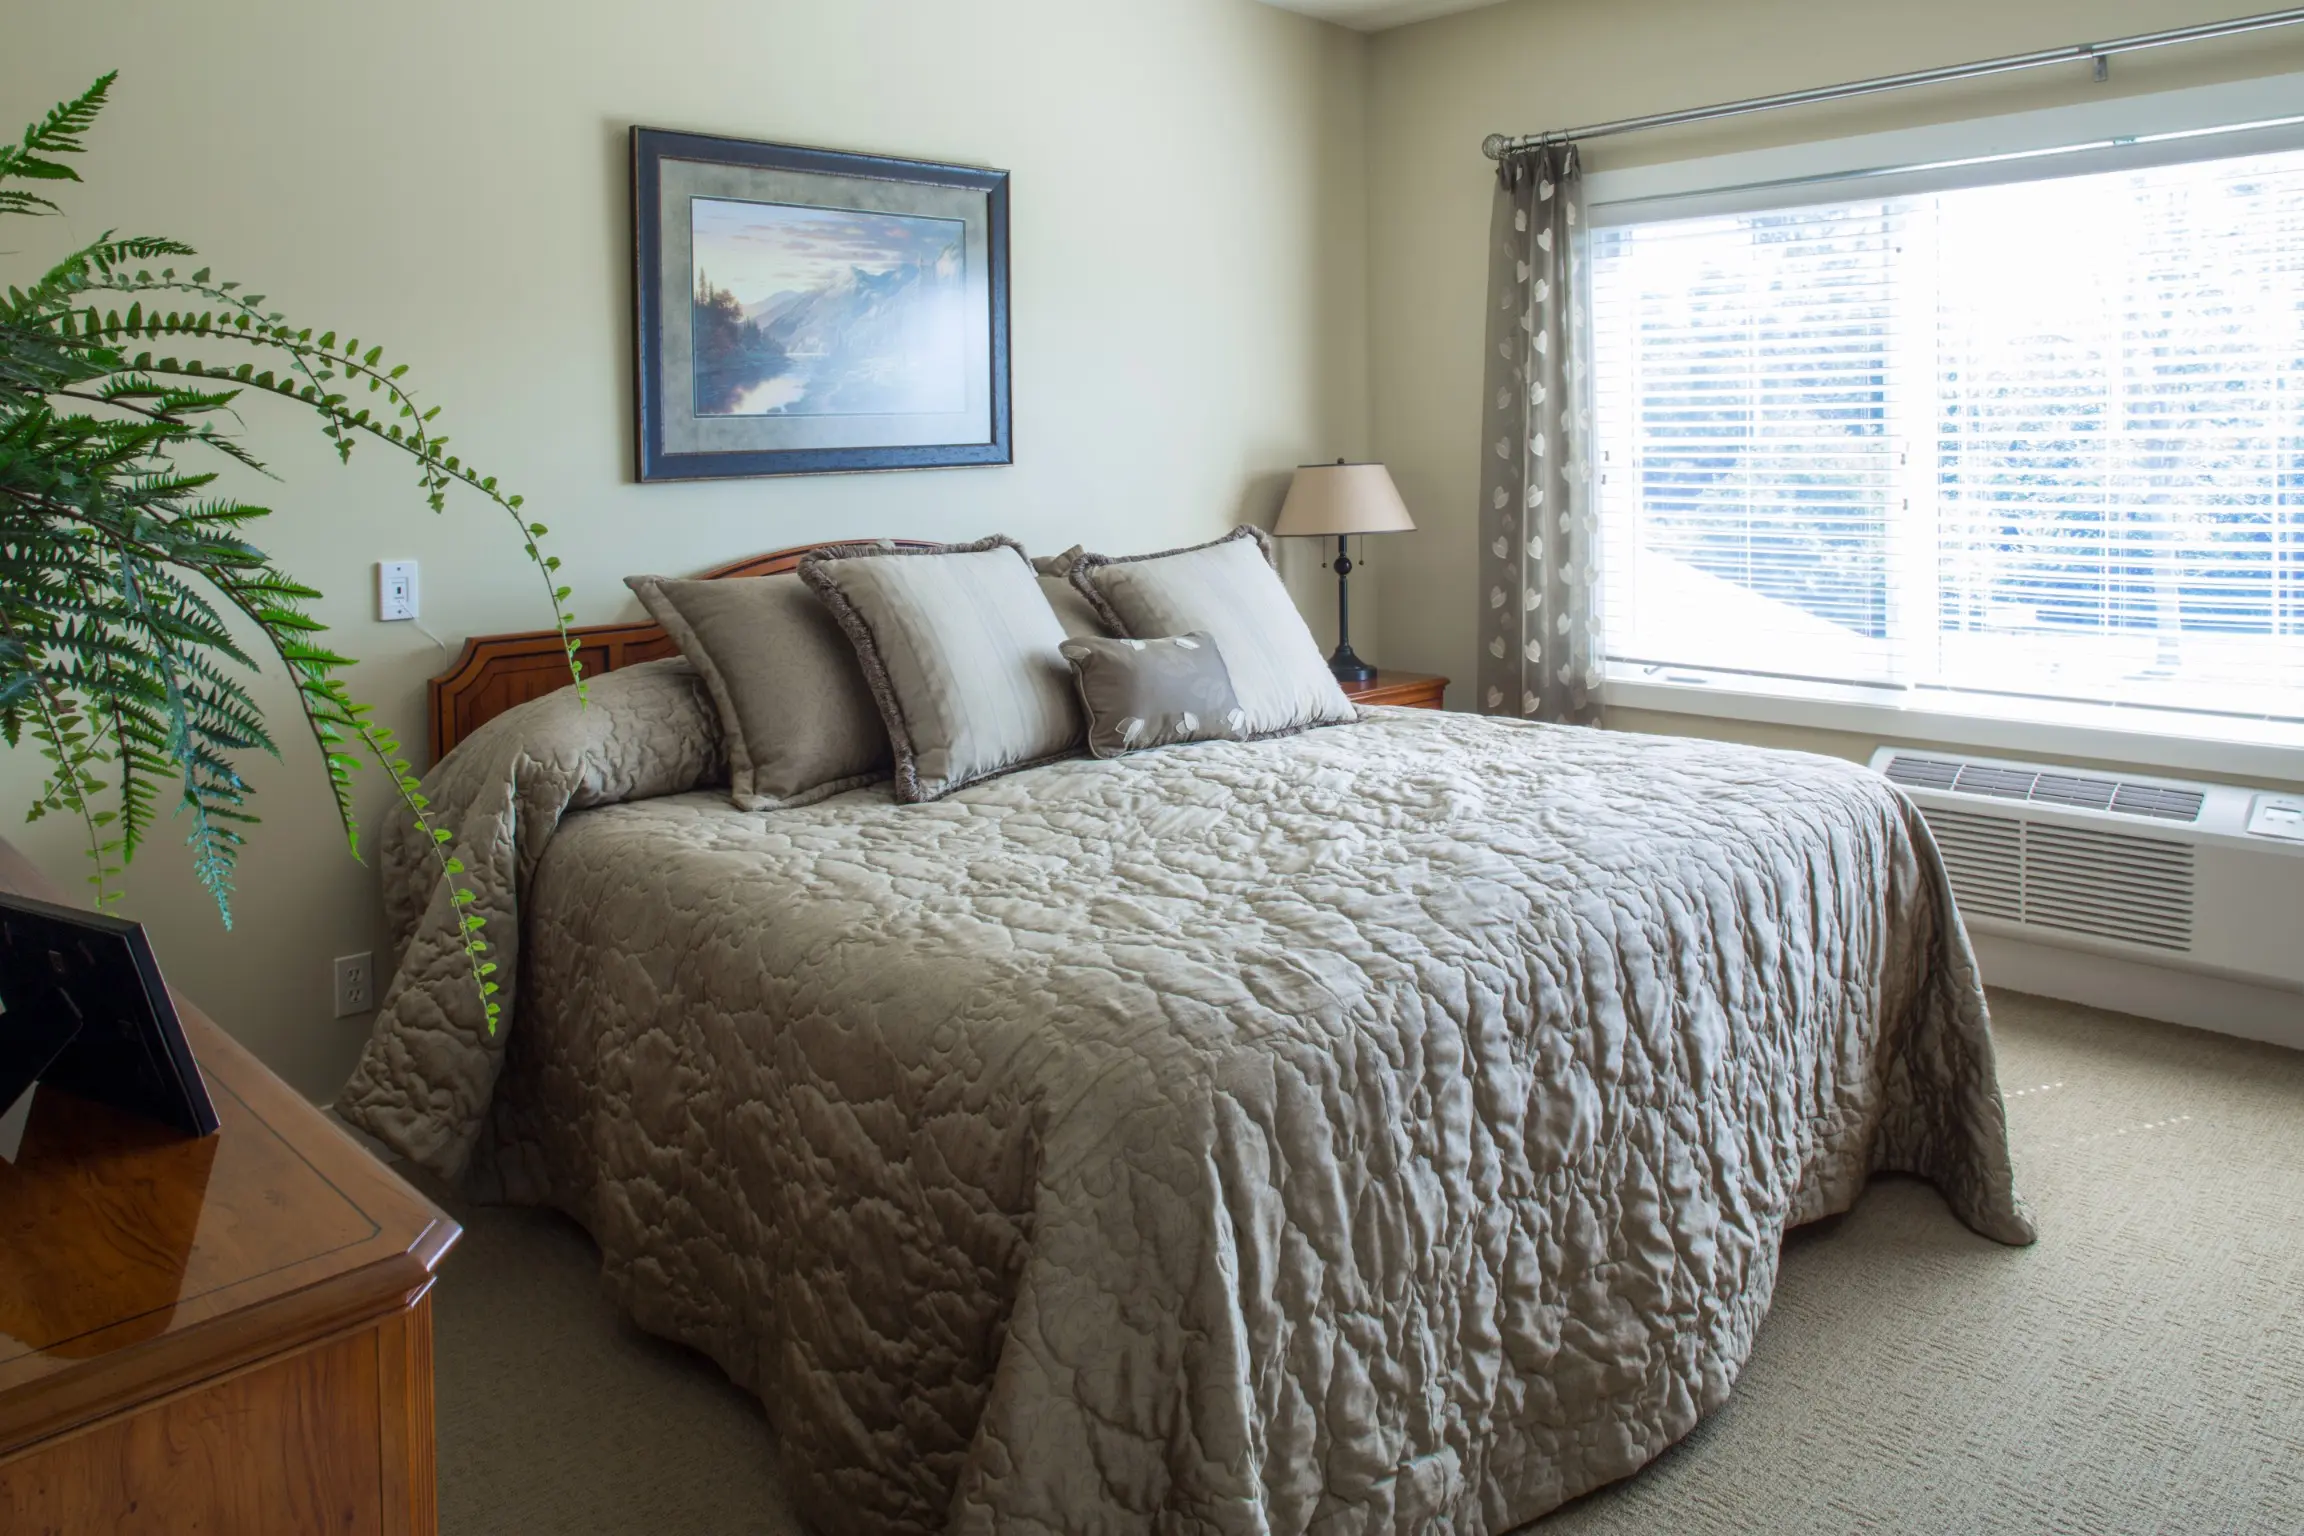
{"x": 58, "y": 133}
{"x": 123, "y": 578}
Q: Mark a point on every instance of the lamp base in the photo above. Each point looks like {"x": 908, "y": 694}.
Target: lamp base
{"x": 1350, "y": 668}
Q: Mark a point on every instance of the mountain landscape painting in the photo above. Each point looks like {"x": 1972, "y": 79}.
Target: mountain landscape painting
{"x": 800, "y": 311}
{"x": 806, "y": 311}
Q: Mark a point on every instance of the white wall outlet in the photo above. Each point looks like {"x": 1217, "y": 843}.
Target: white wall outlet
{"x": 395, "y": 590}
{"x": 355, "y": 984}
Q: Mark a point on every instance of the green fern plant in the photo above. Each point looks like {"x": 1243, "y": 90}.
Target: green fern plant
{"x": 120, "y": 562}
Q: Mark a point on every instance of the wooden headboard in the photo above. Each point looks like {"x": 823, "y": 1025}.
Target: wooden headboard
{"x": 496, "y": 672}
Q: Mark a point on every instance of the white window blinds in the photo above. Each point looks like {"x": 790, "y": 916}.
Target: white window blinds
{"x": 2042, "y": 438}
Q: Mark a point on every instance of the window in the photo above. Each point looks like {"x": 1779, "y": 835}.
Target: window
{"x": 2043, "y": 440}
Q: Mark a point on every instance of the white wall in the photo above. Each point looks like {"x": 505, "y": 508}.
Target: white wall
{"x": 1439, "y": 87}
{"x": 449, "y": 179}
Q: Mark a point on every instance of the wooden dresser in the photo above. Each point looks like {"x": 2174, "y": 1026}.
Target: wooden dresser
{"x": 227, "y": 1336}
{"x": 1415, "y": 690}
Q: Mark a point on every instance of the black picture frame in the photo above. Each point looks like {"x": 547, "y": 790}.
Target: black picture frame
{"x": 663, "y": 409}
{"x": 83, "y": 1008}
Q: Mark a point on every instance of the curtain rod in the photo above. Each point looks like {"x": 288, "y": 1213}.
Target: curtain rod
{"x": 1496, "y": 146}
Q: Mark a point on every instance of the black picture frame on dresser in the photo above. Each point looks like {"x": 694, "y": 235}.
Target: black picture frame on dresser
{"x": 83, "y": 1009}
{"x": 691, "y": 423}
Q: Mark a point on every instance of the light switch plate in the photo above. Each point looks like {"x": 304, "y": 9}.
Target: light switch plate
{"x": 396, "y": 590}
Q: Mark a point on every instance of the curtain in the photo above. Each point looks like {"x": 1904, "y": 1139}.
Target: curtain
{"x": 1539, "y": 538}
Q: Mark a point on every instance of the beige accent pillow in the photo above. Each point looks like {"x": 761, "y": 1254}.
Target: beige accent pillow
{"x": 798, "y": 718}
{"x": 960, "y": 650}
{"x": 1153, "y": 693}
{"x": 1229, "y": 590}
{"x": 1058, "y": 565}
{"x": 1078, "y": 615}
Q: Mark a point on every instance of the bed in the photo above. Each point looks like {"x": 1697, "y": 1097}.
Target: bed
{"x": 1387, "y": 1128}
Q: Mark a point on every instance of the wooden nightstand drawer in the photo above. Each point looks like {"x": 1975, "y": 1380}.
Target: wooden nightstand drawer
{"x": 1415, "y": 690}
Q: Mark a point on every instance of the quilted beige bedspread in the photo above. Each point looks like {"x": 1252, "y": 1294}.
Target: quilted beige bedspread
{"x": 1390, "y": 1128}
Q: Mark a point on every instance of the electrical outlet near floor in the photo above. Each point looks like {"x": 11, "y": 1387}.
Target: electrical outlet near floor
{"x": 355, "y": 984}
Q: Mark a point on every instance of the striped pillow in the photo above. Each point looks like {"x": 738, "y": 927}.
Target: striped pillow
{"x": 960, "y": 650}
{"x": 1227, "y": 589}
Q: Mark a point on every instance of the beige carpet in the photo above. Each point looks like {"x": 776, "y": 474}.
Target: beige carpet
{"x": 2140, "y": 1370}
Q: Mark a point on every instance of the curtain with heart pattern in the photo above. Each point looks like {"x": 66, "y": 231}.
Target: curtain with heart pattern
{"x": 1539, "y": 537}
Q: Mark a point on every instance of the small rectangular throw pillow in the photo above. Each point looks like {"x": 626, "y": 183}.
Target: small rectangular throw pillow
{"x": 1229, "y": 591}
{"x": 1153, "y": 693}
{"x": 794, "y": 708}
{"x": 960, "y": 650}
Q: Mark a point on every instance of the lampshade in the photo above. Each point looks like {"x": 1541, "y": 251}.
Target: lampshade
{"x": 1343, "y": 498}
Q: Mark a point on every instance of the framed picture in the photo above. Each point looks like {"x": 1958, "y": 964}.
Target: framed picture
{"x": 83, "y": 1008}
{"x": 802, "y": 311}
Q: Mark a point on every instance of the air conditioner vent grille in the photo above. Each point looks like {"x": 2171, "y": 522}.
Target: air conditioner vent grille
{"x": 2078, "y": 880}
{"x": 1984, "y": 855}
{"x": 2002, "y": 783}
{"x": 2072, "y": 789}
{"x": 1922, "y": 772}
{"x": 2088, "y": 792}
{"x": 2108, "y": 884}
{"x": 2153, "y": 800}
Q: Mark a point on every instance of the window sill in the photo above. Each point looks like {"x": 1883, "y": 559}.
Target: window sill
{"x": 2244, "y": 749}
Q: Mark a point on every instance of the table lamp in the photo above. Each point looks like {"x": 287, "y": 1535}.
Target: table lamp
{"x": 1340, "y": 500}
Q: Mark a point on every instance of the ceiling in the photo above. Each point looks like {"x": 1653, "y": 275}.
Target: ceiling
{"x": 1376, "y": 15}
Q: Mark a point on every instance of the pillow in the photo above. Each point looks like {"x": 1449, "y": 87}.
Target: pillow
{"x": 960, "y": 651}
{"x": 1228, "y": 590}
{"x": 1153, "y": 693}
{"x": 794, "y": 709}
{"x": 1058, "y": 565}
{"x": 1078, "y": 615}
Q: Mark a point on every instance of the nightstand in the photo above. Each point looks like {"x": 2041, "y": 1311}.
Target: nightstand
{"x": 1414, "y": 690}
{"x": 231, "y": 1334}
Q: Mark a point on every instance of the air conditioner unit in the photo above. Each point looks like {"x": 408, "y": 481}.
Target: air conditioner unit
{"x": 2204, "y": 877}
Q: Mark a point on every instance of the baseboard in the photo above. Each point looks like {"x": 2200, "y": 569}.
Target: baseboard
{"x": 2215, "y": 1003}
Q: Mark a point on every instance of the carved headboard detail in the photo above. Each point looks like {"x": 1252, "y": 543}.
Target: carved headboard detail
{"x": 496, "y": 672}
